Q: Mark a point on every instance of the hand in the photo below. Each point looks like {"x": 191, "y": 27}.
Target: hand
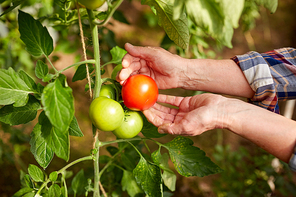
{"x": 194, "y": 115}
{"x": 164, "y": 67}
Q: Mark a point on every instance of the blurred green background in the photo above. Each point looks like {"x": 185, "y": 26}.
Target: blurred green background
{"x": 248, "y": 170}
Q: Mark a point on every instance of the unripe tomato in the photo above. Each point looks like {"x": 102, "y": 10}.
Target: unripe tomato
{"x": 108, "y": 91}
{"x": 106, "y": 114}
{"x": 92, "y": 4}
{"x": 139, "y": 92}
{"x": 131, "y": 126}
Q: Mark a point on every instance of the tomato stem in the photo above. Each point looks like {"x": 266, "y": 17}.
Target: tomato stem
{"x": 65, "y": 168}
{"x": 98, "y": 83}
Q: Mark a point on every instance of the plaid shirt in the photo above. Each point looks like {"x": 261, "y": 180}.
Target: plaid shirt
{"x": 272, "y": 76}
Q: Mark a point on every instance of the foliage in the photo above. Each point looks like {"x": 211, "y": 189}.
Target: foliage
{"x": 266, "y": 175}
{"x": 47, "y": 101}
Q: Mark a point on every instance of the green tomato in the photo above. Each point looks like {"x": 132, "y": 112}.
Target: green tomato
{"x": 131, "y": 126}
{"x": 92, "y": 4}
{"x": 108, "y": 91}
{"x": 106, "y": 114}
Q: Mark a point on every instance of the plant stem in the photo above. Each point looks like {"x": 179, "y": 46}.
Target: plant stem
{"x": 96, "y": 46}
{"x": 65, "y": 168}
{"x": 120, "y": 140}
{"x": 78, "y": 63}
{"x": 56, "y": 71}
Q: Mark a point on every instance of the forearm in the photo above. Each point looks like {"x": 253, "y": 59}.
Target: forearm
{"x": 217, "y": 76}
{"x": 272, "y": 132}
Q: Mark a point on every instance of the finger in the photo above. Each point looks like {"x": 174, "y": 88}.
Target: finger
{"x": 172, "y": 100}
{"x": 142, "y": 52}
{"x": 159, "y": 115}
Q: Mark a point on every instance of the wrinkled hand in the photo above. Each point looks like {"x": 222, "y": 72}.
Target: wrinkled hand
{"x": 194, "y": 115}
{"x": 163, "y": 66}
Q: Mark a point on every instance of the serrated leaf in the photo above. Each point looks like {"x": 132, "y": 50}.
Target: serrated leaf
{"x": 210, "y": 16}
{"x": 54, "y": 190}
{"x": 58, "y": 105}
{"x": 56, "y": 140}
{"x": 20, "y": 115}
{"x": 41, "y": 69}
{"x": 13, "y": 90}
{"x": 28, "y": 80}
{"x": 129, "y": 184}
{"x": 148, "y": 177}
{"x": 23, "y": 192}
{"x": 80, "y": 73}
{"x": 168, "y": 176}
{"x": 177, "y": 30}
{"x": 74, "y": 128}
{"x": 36, "y": 173}
{"x": 79, "y": 182}
{"x": 40, "y": 148}
{"x": 190, "y": 160}
{"x": 34, "y": 35}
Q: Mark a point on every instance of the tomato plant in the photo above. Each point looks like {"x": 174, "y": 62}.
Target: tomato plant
{"x": 92, "y": 4}
{"x": 108, "y": 91}
{"x": 106, "y": 114}
{"x": 131, "y": 126}
{"x": 139, "y": 92}
{"x": 47, "y": 100}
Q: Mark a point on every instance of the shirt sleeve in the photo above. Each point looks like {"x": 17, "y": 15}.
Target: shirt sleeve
{"x": 272, "y": 76}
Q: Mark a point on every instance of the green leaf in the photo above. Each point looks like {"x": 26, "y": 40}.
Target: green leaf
{"x": 36, "y": 173}
{"x": 20, "y": 115}
{"x": 129, "y": 184}
{"x": 40, "y": 148}
{"x": 53, "y": 176}
{"x": 41, "y": 69}
{"x": 58, "y": 141}
{"x": 149, "y": 130}
{"x": 210, "y": 16}
{"x": 190, "y": 160}
{"x": 233, "y": 10}
{"x": 148, "y": 177}
{"x": 13, "y": 90}
{"x": 177, "y": 30}
{"x": 168, "y": 176}
{"x": 269, "y": 4}
{"x": 58, "y": 105}
{"x": 79, "y": 182}
{"x": 74, "y": 128}
{"x": 28, "y": 80}
{"x": 34, "y": 35}
{"x": 117, "y": 54}
{"x": 54, "y": 190}
{"x": 23, "y": 192}
{"x": 15, "y": 3}
{"x": 80, "y": 73}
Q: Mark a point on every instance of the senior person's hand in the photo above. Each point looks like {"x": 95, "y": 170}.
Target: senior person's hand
{"x": 193, "y": 115}
{"x": 164, "y": 67}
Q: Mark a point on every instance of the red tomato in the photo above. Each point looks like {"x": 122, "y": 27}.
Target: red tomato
{"x": 139, "y": 92}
